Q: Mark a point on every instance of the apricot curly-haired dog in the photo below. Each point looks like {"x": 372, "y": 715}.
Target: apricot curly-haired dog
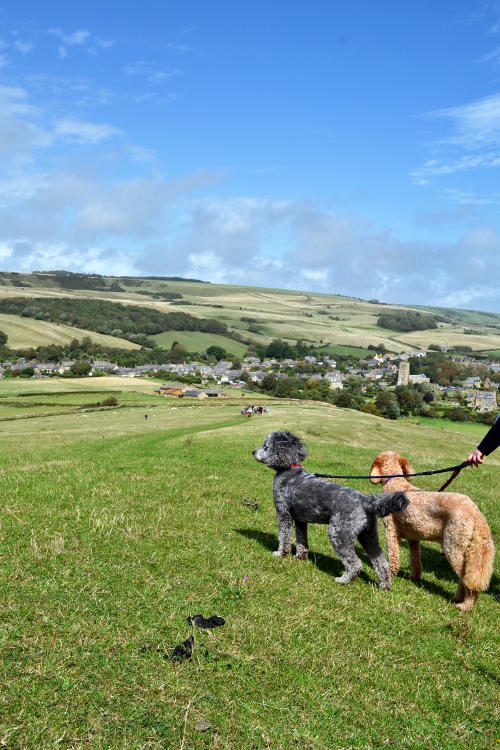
{"x": 446, "y": 517}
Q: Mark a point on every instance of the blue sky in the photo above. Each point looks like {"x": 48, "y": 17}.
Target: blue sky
{"x": 340, "y": 147}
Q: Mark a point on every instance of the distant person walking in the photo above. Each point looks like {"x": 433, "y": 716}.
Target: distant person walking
{"x": 488, "y": 444}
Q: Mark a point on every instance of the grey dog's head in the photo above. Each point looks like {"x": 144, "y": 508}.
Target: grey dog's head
{"x": 280, "y": 449}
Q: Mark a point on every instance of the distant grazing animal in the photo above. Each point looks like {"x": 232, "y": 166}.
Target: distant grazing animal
{"x": 446, "y": 517}
{"x": 302, "y": 498}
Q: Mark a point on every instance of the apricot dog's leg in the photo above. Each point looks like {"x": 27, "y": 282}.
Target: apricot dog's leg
{"x": 415, "y": 563}
{"x": 469, "y": 601}
{"x": 393, "y": 541}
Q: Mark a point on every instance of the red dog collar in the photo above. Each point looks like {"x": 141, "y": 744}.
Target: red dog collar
{"x": 295, "y": 466}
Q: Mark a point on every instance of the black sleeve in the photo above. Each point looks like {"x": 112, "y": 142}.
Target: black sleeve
{"x": 491, "y": 440}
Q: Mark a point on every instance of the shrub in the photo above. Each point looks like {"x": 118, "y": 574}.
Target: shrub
{"x": 110, "y": 401}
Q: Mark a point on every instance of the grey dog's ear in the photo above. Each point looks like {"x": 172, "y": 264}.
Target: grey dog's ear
{"x": 297, "y": 446}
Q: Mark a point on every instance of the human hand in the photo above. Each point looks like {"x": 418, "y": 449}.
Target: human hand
{"x": 476, "y": 457}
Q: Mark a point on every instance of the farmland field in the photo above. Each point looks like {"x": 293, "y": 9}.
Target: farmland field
{"x": 333, "y": 322}
{"x": 115, "y": 528}
{"x": 25, "y": 332}
{"x": 196, "y": 341}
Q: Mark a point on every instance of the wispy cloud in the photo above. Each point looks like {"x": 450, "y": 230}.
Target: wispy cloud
{"x": 152, "y": 74}
{"x": 474, "y": 125}
{"x": 438, "y": 167}
{"x": 78, "y": 131}
{"x": 182, "y": 48}
{"x": 469, "y": 198}
{"x": 77, "y": 38}
{"x": 81, "y": 38}
{"x": 473, "y": 140}
{"x": 23, "y": 46}
{"x": 265, "y": 170}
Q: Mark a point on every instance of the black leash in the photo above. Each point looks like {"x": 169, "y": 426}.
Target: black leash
{"x": 458, "y": 468}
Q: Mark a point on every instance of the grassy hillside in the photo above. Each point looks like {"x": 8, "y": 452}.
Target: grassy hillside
{"x": 25, "y": 332}
{"x": 330, "y": 321}
{"x": 196, "y": 341}
{"x": 115, "y": 528}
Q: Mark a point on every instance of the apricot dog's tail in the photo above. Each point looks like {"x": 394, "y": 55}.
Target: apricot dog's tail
{"x": 388, "y": 502}
{"x": 479, "y": 556}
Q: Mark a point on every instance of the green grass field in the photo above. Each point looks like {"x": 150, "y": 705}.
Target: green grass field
{"x": 196, "y": 341}
{"x": 115, "y": 528}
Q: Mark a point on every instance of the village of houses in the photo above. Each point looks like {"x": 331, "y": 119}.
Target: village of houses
{"x": 381, "y": 371}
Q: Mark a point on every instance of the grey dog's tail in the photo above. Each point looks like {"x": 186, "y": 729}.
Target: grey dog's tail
{"x": 390, "y": 502}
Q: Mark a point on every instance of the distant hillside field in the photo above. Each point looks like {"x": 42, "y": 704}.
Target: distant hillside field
{"x": 258, "y": 315}
{"x": 25, "y": 332}
{"x": 195, "y": 341}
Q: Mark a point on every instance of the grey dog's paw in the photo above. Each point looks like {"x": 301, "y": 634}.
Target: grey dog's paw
{"x": 302, "y": 554}
{"x": 342, "y": 579}
{"x": 280, "y": 553}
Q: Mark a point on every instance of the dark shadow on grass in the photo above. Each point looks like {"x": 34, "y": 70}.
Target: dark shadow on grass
{"x": 330, "y": 565}
{"x": 434, "y": 562}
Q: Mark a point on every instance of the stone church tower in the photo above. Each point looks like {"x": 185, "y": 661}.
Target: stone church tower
{"x": 403, "y": 373}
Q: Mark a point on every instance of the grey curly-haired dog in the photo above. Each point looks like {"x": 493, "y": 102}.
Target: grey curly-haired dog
{"x": 302, "y": 498}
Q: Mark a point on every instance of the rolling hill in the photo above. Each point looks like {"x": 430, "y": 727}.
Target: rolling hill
{"x": 333, "y": 323}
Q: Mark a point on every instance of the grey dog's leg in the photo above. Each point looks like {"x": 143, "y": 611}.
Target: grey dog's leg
{"x": 369, "y": 540}
{"x": 284, "y": 533}
{"x": 301, "y": 540}
{"x": 344, "y": 547}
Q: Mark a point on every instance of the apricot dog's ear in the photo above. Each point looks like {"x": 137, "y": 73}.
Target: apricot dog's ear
{"x": 376, "y": 471}
{"x": 406, "y": 467}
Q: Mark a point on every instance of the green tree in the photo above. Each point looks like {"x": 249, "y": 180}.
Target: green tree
{"x": 3, "y": 338}
{"x": 80, "y": 369}
{"x": 387, "y": 403}
{"x": 177, "y": 354}
{"x": 392, "y": 410}
{"x": 344, "y": 399}
{"x": 268, "y": 382}
{"x": 280, "y": 349}
{"x": 217, "y": 352}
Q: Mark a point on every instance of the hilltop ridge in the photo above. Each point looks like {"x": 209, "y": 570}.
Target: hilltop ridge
{"x": 243, "y": 315}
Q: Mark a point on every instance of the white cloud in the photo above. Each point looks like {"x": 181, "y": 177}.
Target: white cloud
{"x": 74, "y": 221}
{"x": 82, "y": 39}
{"x": 150, "y": 72}
{"x": 78, "y": 131}
{"x": 475, "y": 124}
{"x": 438, "y": 167}
{"x": 23, "y": 46}
{"x": 182, "y": 48}
{"x": 77, "y": 38}
{"x": 469, "y": 198}
{"x": 473, "y": 140}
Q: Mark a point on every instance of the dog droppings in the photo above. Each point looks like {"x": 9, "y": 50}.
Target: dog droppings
{"x": 182, "y": 651}
{"x": 199, "y": 621}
